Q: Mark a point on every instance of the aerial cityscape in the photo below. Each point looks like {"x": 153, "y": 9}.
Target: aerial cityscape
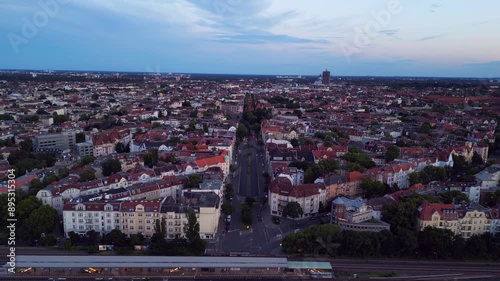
{"x": 255, "y": 140}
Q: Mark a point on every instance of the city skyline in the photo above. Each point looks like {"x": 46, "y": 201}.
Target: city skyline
{"x": 376, "y": 38}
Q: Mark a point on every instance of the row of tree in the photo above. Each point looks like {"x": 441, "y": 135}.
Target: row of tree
{"x": 401, "y": 241}
{"x": 430, "y": 243}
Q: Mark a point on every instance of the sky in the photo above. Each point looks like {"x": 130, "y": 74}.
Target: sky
{"x": 438, "y": 38}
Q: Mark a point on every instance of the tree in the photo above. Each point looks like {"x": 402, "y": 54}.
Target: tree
{"x": 453, "y": 196}
{"x": 322, "y": 167}
{"x": 435, "y": 243}
{"x": 229, "y": 192}
{"x": 414, "y": 178}
{"x": 91, "y": 238}
{"x": 492, "y": 199}
{"x": 35, "y": 186}
{"x": 357, "y": 156}
{"x": 137, "y": 239}
{"x": 241, "y": 131}
{"x": 192, "y": 231}
{"x": 48, "y": 240}
{"x": 26, "y": 145}
{"x": 477, "y": 160}
{"x": 111, "y": 166}
{"x": 227, "y": 208}
{"x": 115, "y": 237}
{"x": 88, "y": 159}
{"x": 74, "y": 238}
{"x": 25, "y": 207}
{"x": 246, "y": 215}
{"x": 151, "y": 158}
{"x": 63, "y": 172}
{"x": 249, "y": 200}
{"x": 292, "y": 210}
{"x": 255, "y": 127}
{"x": 87, "y": 175}
{"x": 391, "y": 153}
{"x": 43, "y": 220}
{"x": 425, "y": 128}
{"x": 49, "y": 178}
{"x": 58, "y": 119}
{"x": 193, "y": 181}
{"x": 372, "y": 188}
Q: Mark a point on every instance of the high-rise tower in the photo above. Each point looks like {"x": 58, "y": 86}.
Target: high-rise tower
{"x": 325, "y": 78}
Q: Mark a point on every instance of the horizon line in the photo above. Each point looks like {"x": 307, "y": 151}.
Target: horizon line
{"x": 246, "y": 74}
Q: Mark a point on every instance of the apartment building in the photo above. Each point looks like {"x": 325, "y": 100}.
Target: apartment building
{"x": 206, "y": 205}
{"x": 309, "y": 196}
{"x": 57, "y": 142}
{"x": 140, "y": 216}
{"x": 465, "y": 220}
{"x": 84, "y": 149}
{"x": 473, "y": 219}
{"x": 101, "y": 216}
{"x": 443, "y": 216}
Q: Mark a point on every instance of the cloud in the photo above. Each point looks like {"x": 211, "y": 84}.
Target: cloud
{"x": 265, "y": 39}
{"x": 232, "y": 8}
{"x": 389, "y": 32}
{"x": 430, "y": 37}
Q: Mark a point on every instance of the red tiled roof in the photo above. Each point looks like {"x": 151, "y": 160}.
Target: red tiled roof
{"x": 446, "y": 211}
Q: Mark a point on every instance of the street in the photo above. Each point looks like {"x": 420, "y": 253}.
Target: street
{"x": 264, "y": 237}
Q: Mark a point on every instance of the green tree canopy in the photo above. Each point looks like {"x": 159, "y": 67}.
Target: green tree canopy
{"x": 115, "y": 237}
{"x": 391, "y": 153}
{"x": 322, "y": 167}
{"x": 193, "y": 181}
{"x": 227, "y": 208}
{"x": 35, "y": 186}
{"x": 241, "y": 131}
{"x": 111, "y": 166}
{"x": 453, "y": 196}
{"x": 88, "y": 159}
{"x": 43, "y": 220}
{"x": 293, "y": 210}
{"x": 372, "y": 188}
{"x": 425, "y": 128}
{"x": 87, "y": 175}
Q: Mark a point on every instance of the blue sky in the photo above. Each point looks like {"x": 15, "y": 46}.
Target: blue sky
{"x": 447, "y": 38}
